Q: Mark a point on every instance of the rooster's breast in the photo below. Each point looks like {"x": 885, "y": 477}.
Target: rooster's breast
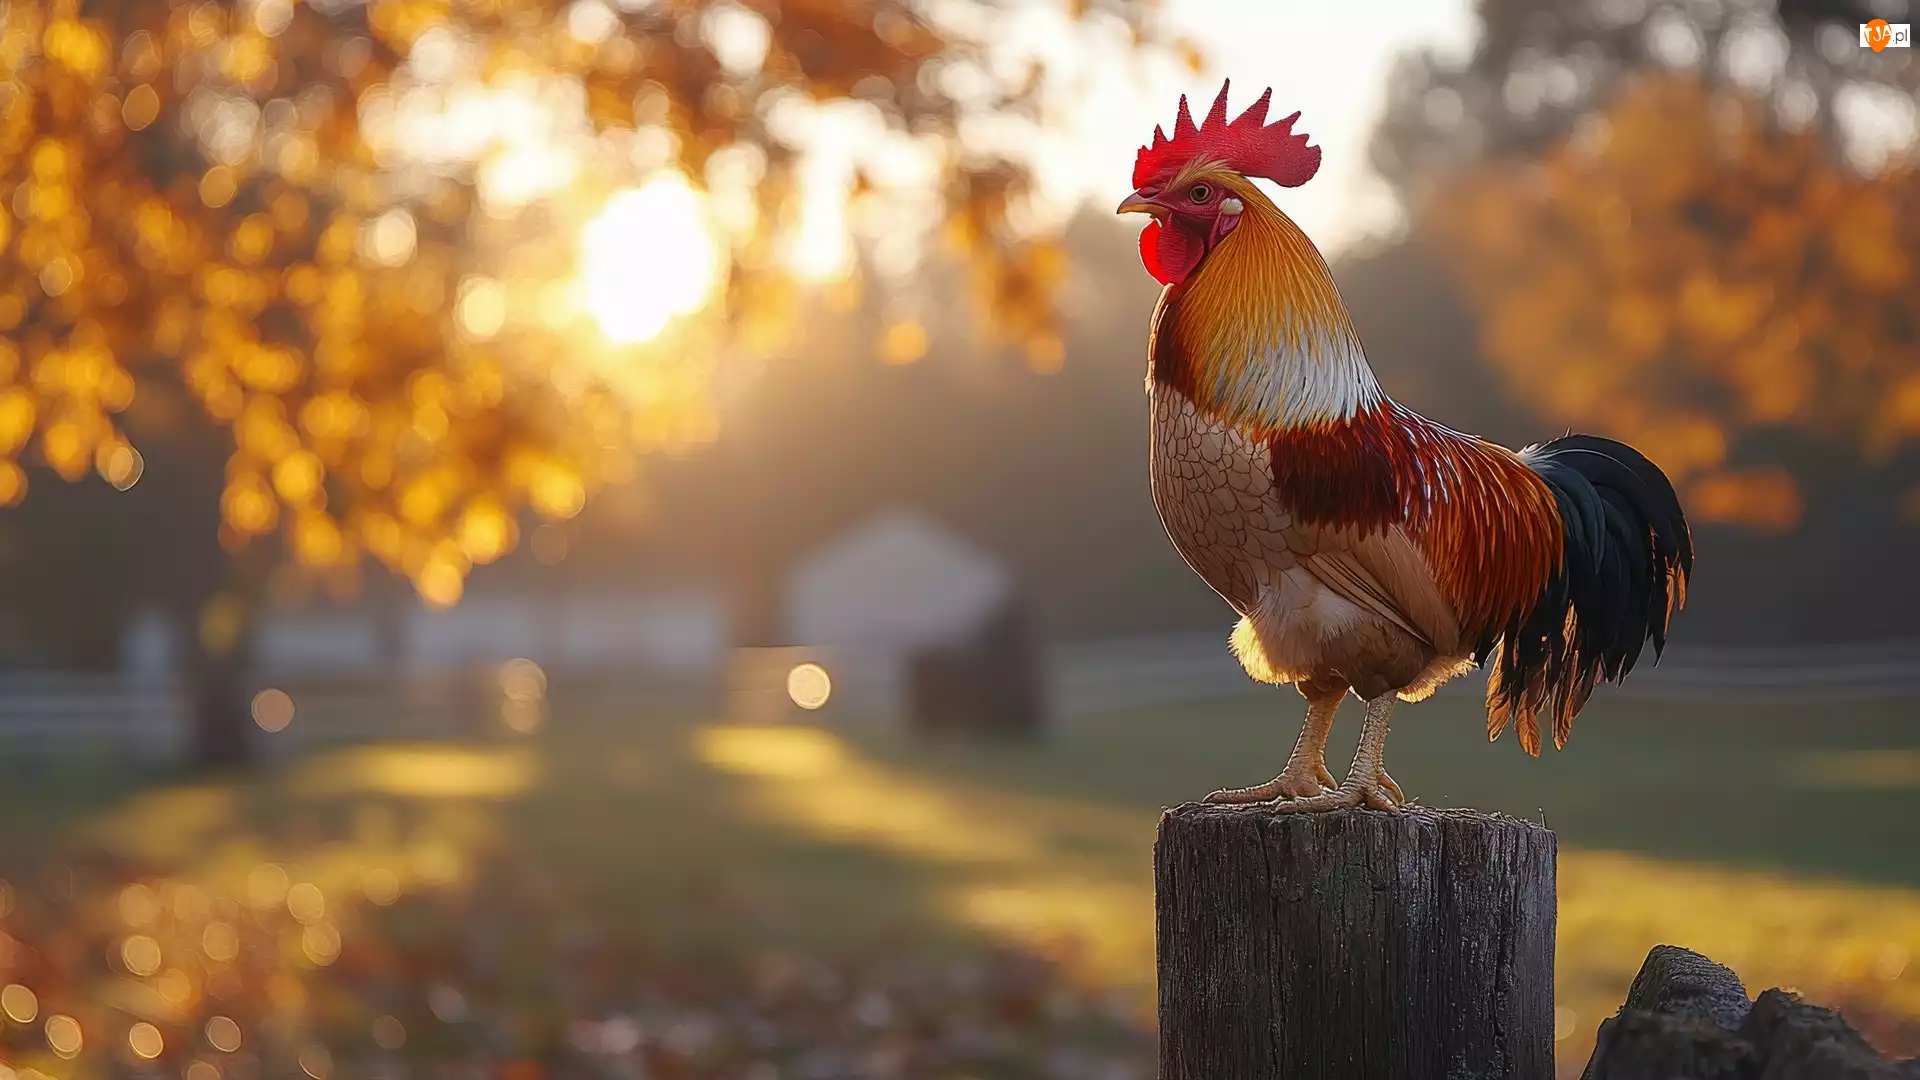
{"x": 1213, "y": 487}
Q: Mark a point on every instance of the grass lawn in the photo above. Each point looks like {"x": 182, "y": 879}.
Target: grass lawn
{"x": 1803, "y": 789}
{"x": 1779, "y": 840}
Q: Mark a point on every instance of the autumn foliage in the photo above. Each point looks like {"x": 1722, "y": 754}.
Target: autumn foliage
{"x": 351, "y": 234}
{"x": 1686, "y": 274}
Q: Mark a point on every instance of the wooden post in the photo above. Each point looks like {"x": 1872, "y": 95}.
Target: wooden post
{"x": 1360, "y": 945}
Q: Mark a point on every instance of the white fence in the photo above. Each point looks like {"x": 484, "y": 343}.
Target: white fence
{"x": 1097, "y": 676}
{"x": 43, "y": 712}
{"x": 582, "y": 632}
{"x": 149, "y": 718}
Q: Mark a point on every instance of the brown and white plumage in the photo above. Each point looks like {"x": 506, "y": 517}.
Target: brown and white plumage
{"x": 1363, "y": 545}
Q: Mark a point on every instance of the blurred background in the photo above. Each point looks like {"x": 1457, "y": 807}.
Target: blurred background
{"x": 610, "y": 538}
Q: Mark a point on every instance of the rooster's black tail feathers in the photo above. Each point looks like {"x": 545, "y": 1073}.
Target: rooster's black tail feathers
{"x": 1628, "y": 555}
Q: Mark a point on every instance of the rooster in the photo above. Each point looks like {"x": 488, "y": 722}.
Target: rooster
{"x": 1365, "y": 547}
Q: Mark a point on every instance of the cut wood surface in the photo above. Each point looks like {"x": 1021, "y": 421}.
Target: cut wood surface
{"x": 1359, "y": 945}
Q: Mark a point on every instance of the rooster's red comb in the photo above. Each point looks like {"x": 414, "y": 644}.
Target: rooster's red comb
{"x": 1248, "y": 145}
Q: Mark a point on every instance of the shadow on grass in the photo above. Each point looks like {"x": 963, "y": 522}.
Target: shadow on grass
{"x": 1758, "y": 838}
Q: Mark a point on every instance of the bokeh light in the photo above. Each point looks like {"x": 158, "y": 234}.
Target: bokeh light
{"x": 121, "y": 465}
{"x": 19, "y": 1003}
{"x": 267, "y": 886}
{"x": 523, "y": 680}
{"x": 903, "y": 343}
{"x": 306, "y": 903}
{"x": 320, "y": 944}
{"x": 389, "y": 1033}
{"x": 220, "y": 941}
{"x": 223, "y": 1034}
{"x": 381, "y": 886}
{"x": 809, "y": 686}
{"x": 447, "y": 1003}
{"x": 316, "y": 1062}
{"x": 523, "y": 693}
{"x": 481, "y": 308}
{"x": 272, "y": 709}
{"x": 138, "y": 904}
{"x": 145, "y": 1041}
{"x": 63, "y": 1035}
{"x": 141, "y": 955}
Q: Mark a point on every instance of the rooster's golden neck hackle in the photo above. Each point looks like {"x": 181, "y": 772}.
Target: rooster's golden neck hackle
{"x": 1366, "y": 547}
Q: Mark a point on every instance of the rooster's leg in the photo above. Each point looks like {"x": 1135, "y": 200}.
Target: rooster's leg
{"x": 1306, "y": 772}
{"x": 1367, "y": 783}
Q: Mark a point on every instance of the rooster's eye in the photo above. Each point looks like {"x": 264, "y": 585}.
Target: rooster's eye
{"x": 1200, "y": 194}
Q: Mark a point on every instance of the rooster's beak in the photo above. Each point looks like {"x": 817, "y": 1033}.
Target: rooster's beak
{"x": 1137, "y": 203}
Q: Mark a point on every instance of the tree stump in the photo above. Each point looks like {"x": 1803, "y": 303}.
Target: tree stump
{"x": 1360, "y": 945}
{"x": 1688, "y": 1018}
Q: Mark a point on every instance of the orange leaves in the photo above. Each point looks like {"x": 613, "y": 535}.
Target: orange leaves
{"x": 1720, "y": 312}
{"x": 1684, "y": 273}
{"x": 1638, "y": 324}
{"x": 247, "y": 505}
{"x": 140, "y": 108}
{"x": 486, "y": 531}
{"x": 252, "y": 241}
{"x": 1898, "y": 416}
{"x": 13, "y": 483}
{"x": 1865, "y": 240}
{"x": 78, "y": 46}
{"x": 425, "y": 498}
{"x": 352, "y": 236}
{"x": 400, "y": 22}
{"x": 297, "y": 478}
{"x": 248, "y": 59}
{"x": 1766, "y": 499}
{"x": 17, "y": 412}
{"x": 554, "y": 489}
{"x": 331, "y": 418}
{"x": 318, "y": 541}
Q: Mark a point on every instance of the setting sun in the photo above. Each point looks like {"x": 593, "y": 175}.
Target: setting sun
{"x": 649, "y": 257}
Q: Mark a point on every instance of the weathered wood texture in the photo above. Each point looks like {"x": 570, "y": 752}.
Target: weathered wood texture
{"x": 1359, "y": 945}
{"x": 1688, "y": 1018}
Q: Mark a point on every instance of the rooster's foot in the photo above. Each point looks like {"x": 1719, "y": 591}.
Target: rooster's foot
{"x": 1288, "y": 785}
{"x": 1382, "y": 795}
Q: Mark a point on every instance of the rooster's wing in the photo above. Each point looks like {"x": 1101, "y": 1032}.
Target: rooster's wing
{"x": 1382, "y": 572}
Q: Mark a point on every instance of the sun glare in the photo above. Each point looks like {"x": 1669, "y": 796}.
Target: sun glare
{"x": 648, "y": 258}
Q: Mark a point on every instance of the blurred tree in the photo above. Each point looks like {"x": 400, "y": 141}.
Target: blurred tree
{"x": 1688, "y": 225}
{"x": 1541, "y": 68}
{"x": 436, "y": 264}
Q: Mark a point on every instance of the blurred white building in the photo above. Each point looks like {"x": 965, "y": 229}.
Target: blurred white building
{"x": 893, "y": 586}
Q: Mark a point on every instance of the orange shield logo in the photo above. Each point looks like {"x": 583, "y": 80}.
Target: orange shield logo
{"x": 1879, "y": 34}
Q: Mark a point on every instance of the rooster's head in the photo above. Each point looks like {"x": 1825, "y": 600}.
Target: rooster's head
{"x": 1196, "y": 184}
